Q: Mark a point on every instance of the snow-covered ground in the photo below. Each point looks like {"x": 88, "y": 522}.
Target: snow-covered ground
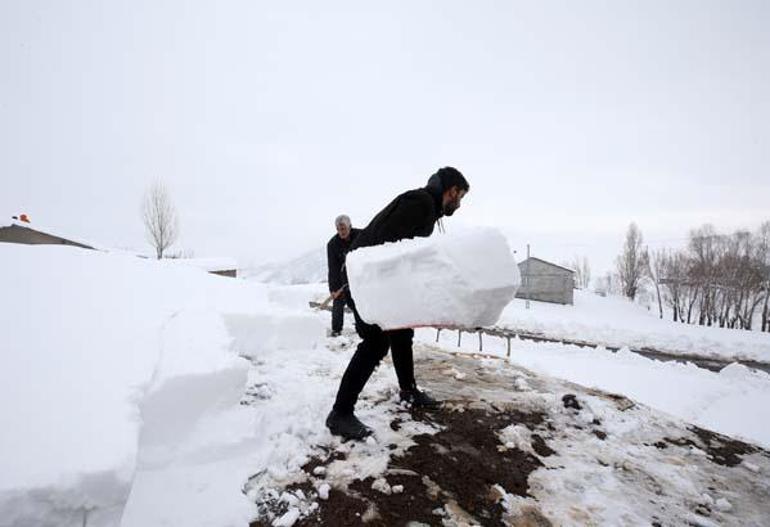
{"x": 614, "y": 321}
{"x": 513, "y": 447}
{"x": 143, "y": 393}
{"x": 734, "y": 401}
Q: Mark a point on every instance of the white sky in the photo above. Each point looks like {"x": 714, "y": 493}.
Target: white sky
{"x": 266, "y": 120}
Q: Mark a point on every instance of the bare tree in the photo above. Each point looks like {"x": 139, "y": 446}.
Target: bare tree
{"x": 632, "y": 262}
{"x": 607, "y": 284}
{"x": 582, "y": 272}
{"x": 719, "y": 279}
{"x": 160, "y": 219}
{"x": 763, "y": 258}
{"x": 706, "y": 250}
{"x": 674, "y": 280}
{"x": 656, "y": 265}
{"x": 742, "y": 278}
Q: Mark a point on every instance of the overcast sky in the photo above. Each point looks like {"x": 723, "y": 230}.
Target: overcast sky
{"x": 266, "y": 120}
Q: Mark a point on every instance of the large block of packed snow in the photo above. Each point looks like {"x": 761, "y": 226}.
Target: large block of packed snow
{"x": 462, "y": 279}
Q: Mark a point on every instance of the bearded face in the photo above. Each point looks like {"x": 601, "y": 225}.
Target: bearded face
{"x": 452, "y": 200}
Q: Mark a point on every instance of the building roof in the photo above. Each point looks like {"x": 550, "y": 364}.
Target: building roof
{"x": 35, "y": 227}
{"x": 548, "y": 263}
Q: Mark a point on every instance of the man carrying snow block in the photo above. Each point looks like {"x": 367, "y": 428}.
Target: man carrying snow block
{"x": 336, "y": 249}
{"x": 411, "y": 214}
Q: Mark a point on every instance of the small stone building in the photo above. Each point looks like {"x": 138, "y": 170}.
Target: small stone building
{"x": 546, "y": 282}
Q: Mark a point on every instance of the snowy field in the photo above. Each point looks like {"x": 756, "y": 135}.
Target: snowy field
{"x": 144, "y": 393}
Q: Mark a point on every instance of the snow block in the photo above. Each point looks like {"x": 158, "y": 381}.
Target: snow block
{"x": 256, "y": 335}
{"x": 196, "y": 377}
{"x": 462, "y": 279}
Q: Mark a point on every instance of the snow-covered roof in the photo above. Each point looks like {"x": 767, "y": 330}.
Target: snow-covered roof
{"x": 45, "y": 229}
{"x": 547, "y": 263}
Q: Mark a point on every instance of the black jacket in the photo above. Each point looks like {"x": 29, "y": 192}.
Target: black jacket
{"x": 336, "y": 250}
{"x": 412, "y": 214}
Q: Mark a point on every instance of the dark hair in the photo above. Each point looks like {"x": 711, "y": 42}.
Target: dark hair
{"x": 448, "y": 177}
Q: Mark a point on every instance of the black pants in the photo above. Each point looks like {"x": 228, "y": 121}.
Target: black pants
{"x": 374, "y": 346}
{"x": 338, "y": 311}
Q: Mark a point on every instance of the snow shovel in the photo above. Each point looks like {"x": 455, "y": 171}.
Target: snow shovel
{"x": 325, "y": 303}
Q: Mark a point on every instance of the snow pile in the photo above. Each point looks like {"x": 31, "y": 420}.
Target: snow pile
{"x": 457, "y": 280}
{"x": 298, "y": 296}
{"x": 120, "y": 388}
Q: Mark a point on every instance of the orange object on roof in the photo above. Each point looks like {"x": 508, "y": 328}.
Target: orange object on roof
{"x": 24, "y": 218}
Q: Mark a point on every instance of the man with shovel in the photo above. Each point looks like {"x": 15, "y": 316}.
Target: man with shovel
{"x": 411, "y": 214}
{"x": 336, "y": 249}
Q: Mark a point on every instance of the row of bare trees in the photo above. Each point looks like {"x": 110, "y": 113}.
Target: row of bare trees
{"x": 716, "y": 280}
{"x": 582, "y": 270}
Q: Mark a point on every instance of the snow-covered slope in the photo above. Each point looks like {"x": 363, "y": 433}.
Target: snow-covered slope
{"x": 308, "y": 268}
{"x": 734, "y": 401}
{"x": 617, "y": 322}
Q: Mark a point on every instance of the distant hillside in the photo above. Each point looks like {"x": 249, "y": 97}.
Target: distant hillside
{"x": 309, "y": 268}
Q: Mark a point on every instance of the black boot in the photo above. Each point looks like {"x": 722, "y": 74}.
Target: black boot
{"x": 418, "y": 399}
{"x": 347, "y": 425}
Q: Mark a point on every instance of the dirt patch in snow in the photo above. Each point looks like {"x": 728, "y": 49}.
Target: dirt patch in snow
{"x": 462, "y": 471}
{"x": 721, "y": 449}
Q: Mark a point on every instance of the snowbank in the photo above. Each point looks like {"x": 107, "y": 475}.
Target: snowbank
{"x": 207, "y": 264}
{"x": 116, "y": 369}
{"x": 460, "y": 280}
{"x": 614, "y": 321}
